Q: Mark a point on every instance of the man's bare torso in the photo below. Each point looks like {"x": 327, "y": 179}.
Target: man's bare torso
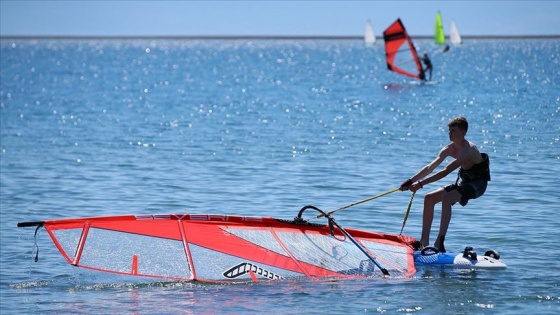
{"x": 467, "y": 152}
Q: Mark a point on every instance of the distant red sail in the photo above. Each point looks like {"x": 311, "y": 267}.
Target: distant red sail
{"x": 400, "y": 52}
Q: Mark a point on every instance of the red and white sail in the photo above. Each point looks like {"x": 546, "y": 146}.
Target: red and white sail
{"x": 221, "y": 248}
{"x": 400, "y": 52}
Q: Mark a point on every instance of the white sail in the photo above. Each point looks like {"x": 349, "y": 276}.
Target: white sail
{"x": 454, "y": 36}
{"x": 369, "y": 36}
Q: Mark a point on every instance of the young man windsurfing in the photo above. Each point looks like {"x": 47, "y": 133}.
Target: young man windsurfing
{"x": 474, "y": 172}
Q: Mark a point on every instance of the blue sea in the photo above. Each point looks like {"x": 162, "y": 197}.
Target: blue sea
{"x": 262, "y": 128}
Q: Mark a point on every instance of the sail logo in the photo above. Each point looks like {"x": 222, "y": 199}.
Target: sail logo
{"x": 162, "y": 217}
{"x": 252, "y": 269}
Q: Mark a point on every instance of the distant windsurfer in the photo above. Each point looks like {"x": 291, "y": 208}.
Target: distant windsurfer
{"x": 474, "y": 172}
{"x": 426, "y": 60}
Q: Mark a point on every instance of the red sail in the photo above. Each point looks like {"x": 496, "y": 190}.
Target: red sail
{"x": 400, "y": 52}
{"x": 222, "y": 248}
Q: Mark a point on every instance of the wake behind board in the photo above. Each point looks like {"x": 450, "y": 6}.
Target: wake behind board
{"x": 423, "y": 83}
{"x": 465, "y": 260}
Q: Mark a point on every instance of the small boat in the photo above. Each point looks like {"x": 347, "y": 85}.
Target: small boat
{"x": 369, "y": 35}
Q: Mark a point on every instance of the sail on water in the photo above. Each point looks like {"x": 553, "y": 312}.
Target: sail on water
{"x": 439, "y": 35}
{"x": 223, "y": 248}
{"x": 454, "y": 35}
{"x": 369, "y": 35}
{"x": 400, "y": 52}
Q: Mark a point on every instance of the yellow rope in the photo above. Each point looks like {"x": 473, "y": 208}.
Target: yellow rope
{"x": 361, "y": 201}
{"x": 407, "y": 212}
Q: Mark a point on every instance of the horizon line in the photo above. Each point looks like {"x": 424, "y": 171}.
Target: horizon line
{"x": 261, "y": 37}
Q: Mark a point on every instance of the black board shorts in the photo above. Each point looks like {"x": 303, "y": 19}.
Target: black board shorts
{"x": 468, "y": 189}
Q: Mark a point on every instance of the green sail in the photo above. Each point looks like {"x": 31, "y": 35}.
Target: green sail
{"x": 439, "y": 36}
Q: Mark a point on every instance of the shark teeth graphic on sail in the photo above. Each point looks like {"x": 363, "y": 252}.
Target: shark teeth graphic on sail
{"x": 246, "y": 267}
{"x": 214, "y": 266}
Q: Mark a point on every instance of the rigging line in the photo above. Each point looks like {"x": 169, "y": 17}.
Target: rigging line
{"x": 407, "y": 212}
{"x": 359, "y": 202}
{"x": 360, "y": 247}
{"x": 35, "y": 241}
{"x": 38, "y": 224}
{"x": 333, "y": 223}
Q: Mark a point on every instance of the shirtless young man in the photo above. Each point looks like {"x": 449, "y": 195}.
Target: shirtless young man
{"x": 474, "y": 173}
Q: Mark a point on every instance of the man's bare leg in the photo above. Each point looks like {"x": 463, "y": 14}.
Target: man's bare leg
{"x": 448, "y": 199}
{"x": 430, "y": 200}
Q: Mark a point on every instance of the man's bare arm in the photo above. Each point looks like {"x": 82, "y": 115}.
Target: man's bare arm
{"x": 426, "y": 170}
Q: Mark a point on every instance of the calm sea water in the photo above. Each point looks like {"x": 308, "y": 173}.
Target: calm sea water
{"x": 263, "y": 128}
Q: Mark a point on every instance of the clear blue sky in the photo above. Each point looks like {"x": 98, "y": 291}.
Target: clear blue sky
{"x": 282, "y": 18}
